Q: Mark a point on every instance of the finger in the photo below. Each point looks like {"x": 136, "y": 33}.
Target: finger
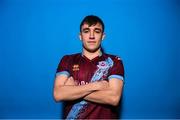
{"x": 70, "y": 78}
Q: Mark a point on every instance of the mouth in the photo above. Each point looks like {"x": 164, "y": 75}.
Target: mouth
{"x": 91, "y": 42}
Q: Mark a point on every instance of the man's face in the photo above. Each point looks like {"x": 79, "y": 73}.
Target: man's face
{"x": 91, "y": 36}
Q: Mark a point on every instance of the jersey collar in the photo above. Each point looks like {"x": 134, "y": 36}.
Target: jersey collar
{"x": 100, "y": 54}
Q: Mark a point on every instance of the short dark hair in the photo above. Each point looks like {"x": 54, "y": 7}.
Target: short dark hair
{"x": 92, "y": 20}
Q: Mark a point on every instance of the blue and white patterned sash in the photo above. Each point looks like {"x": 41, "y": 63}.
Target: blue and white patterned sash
{"x": 102, "y": 70}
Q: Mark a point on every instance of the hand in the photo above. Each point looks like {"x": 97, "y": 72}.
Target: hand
{"x": 70, "y": 81}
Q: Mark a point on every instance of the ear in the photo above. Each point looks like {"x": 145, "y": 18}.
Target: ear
{"x": 103, "y": 36}
{"x": 80, "y": 37}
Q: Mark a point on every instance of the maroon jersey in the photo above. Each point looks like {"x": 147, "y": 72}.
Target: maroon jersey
{"x": 85, "y": 71}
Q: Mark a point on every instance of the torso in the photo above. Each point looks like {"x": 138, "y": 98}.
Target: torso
{"x": 82, "y": 70}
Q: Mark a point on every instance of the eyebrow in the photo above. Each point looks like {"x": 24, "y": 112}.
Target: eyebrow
{"x": 85, "y": 29}
{"x": 94, "y": 29}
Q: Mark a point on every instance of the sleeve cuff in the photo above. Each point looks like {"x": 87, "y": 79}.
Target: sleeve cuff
{"x": 116, "y": 76}
{"x": 63, "y": 73}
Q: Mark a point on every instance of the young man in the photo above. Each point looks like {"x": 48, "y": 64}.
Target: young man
{"x": 90, "y": 82}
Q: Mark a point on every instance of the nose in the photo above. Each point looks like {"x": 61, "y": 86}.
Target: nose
{"x": 91, "y": 36}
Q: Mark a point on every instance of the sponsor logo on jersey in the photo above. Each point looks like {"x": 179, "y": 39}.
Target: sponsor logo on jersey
{"x": 75, "y": 67}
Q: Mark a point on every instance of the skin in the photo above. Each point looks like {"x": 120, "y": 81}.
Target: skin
{"x": 102, "y": 92}
{"x": 91, "y": 37}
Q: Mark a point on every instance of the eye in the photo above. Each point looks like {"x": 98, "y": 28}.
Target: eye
{"x": 85, "y": 31}
{"x": 98, "y": 31}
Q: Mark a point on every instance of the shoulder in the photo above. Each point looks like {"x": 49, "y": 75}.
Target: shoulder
{"x": 71, "y": 56}
{"x": 113, "y": 57}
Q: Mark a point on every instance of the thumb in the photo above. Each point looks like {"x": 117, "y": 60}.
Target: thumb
{"x": 71, "y": 78}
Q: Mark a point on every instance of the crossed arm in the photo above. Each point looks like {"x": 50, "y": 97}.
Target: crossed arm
{"x": 99, "y": 92}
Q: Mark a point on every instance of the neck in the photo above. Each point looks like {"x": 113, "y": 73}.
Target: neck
{"x": 92, "y": 55}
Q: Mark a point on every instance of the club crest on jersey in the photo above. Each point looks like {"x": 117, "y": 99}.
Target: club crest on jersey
{"x": 75, "y": 67}
{"x": 103, "y": 65}
{"x": 103, "y": 68}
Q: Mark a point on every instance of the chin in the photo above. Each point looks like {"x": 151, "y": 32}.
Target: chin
{"x": 92, "y": 50}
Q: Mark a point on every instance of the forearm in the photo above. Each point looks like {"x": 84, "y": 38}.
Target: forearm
{"x": 103, "y": 97}
{"x": 69, "y": 92}
{"x": 110, "y": 95}
{"x": 73, "y": 92}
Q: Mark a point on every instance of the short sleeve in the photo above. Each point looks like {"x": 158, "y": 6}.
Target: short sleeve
{"x": 117, "y": 70}
{"x": 63, "y": 67}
